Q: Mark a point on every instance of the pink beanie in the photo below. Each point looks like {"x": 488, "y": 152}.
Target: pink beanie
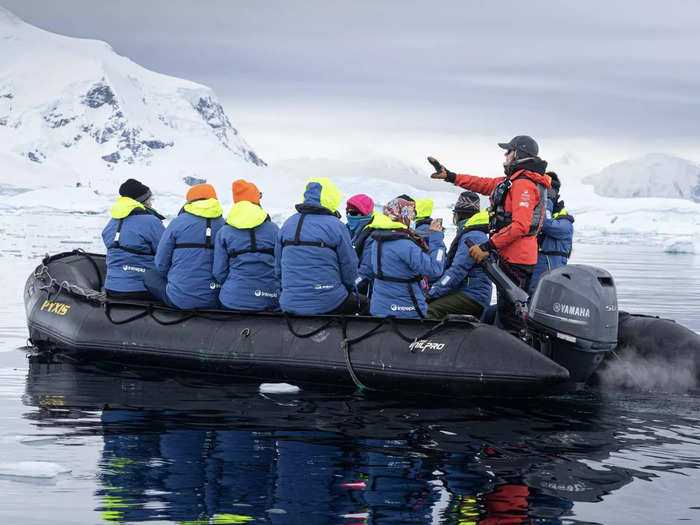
{"x": 362, "y": 203}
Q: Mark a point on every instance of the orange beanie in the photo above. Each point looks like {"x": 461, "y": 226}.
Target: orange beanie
{"x": 201, "y": 191}
{"x": 245, "y": 191}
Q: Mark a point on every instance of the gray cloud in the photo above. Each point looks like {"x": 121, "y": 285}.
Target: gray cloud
{"x": 601, "y": 69}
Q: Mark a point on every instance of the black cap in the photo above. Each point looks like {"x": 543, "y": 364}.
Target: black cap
{"x": 523, "y": 144}
{"x": 467, "y": 202}
{"x": 134, "y": 189}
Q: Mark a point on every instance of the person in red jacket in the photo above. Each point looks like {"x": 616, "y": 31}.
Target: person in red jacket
{"x": 518, "y": 206}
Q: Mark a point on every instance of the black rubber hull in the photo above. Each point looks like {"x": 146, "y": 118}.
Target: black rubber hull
{"x": 462, "y": 358}
{"x": 653, "y": 354}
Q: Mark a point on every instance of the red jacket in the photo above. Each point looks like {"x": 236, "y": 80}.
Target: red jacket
{"x": 512, "y": 242}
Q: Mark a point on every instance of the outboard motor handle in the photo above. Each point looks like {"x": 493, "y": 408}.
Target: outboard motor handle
{"x": 514, "y": 293}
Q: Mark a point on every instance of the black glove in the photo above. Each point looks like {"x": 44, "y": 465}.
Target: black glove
{"x": 449, "y": 176}
{"x": 558, "y": 206}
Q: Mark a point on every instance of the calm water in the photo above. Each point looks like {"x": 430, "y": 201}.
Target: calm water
{"x": 82, "y": 444}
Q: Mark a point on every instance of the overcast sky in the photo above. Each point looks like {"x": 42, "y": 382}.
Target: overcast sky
{"x": 408, "y": 78}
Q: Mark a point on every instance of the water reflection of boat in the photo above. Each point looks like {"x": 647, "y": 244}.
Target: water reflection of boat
{"x": 192, "y": 448}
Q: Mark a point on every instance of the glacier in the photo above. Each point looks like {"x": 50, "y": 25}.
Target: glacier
{"x": 80, "y": 110}
{"x": 653, "y": 175}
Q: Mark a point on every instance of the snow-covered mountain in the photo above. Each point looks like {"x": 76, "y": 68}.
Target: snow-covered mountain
{"x": 654, "y": 175}
{"x": 76, "y": 106}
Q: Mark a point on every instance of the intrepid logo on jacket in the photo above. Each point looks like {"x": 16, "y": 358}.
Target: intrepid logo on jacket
{"x": 400, "y": 308}
{"x": 570, "y": 309}
{"x": 128, "y": 268}
{"x": 263, "y": 293}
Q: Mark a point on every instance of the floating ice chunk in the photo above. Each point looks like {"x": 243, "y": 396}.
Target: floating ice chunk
{"x": 680, "y": 245}
{"x": 278, "y": 388}
{"x": 32, "y": 469}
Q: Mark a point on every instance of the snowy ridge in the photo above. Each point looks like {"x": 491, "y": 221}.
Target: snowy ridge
{"x": 75, "y": 104}
{"x": 654, "y": 175}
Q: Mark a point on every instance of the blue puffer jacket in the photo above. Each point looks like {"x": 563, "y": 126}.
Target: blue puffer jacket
{"x": 402, "y": 258}
{"x": 315, "y": 279}
{"x": 247, "y": 272}
{"x": 462, "y": 273}
{"x": 183, "y": 256}
{"x": 141, "y": 229}
{"x": 555, "y": 241}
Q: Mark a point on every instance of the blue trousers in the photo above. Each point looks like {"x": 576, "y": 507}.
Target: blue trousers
{"x": 155, "y": 282}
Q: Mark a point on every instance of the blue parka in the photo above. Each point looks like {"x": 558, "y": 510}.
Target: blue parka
{"x": 424, "y": 210}
{"x": 316, "y": 263}
{"x": 244, "y": 259}
{"x": 185, "y": 254}
{"x": 462, "y": 273}
{"x": 131, "y": 253}
{"x": 362, "y": 242}
{"x": 554, "y": 242}
{"x": 399, "y": 257}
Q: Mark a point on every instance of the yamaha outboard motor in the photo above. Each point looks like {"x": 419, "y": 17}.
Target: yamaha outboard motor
{"x": 573, "y": 318}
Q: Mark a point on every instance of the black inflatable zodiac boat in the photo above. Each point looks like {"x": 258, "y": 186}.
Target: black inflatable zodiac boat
{"x": 572, "y": 325}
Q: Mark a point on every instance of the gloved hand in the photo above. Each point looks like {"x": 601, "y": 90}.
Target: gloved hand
{"x": 558, "y": 206}
{"x": 476, "y": 253}
{"x": 440, "y": 170}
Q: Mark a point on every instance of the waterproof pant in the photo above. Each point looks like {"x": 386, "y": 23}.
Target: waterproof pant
{"x": 352, "y": 304}
{"x": 155, "y": 282}
{"x": 520, "y": 274}
{"x": 454, "y": 303}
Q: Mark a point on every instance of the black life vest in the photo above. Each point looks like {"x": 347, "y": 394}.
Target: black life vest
{"x": 117, "y": 246}
{"x": 253, "y": 245}
{"x": 499, "y": 218}
{"x": 422, "y": 222}
{"x": 361, "y": 240}
{"x": 380, "y": 237}
{"x": 452, "y": 252}
{"x": 207, "y": 244}
{"x": 304, "y": 210}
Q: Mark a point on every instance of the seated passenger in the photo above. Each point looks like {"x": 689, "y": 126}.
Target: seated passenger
{"x": 131, "y": 238}
{"x": 400, "y": 259}
{"x": 365, "y": 272}
{"x": 464, "y": 288}
{"x": 359, "y": 212}
{"x": 244, "y": 254}
{"x": 314, "y": 256}
{"x": 424, "y": 210}
{"x": 556, "y": 237}
{"x": 183, "y": 276}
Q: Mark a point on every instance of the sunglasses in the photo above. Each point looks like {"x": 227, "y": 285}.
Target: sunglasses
{"x": 353, "y": 213}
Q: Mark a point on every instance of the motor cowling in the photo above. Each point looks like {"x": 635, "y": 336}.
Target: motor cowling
{"x": 573, "y": 315}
